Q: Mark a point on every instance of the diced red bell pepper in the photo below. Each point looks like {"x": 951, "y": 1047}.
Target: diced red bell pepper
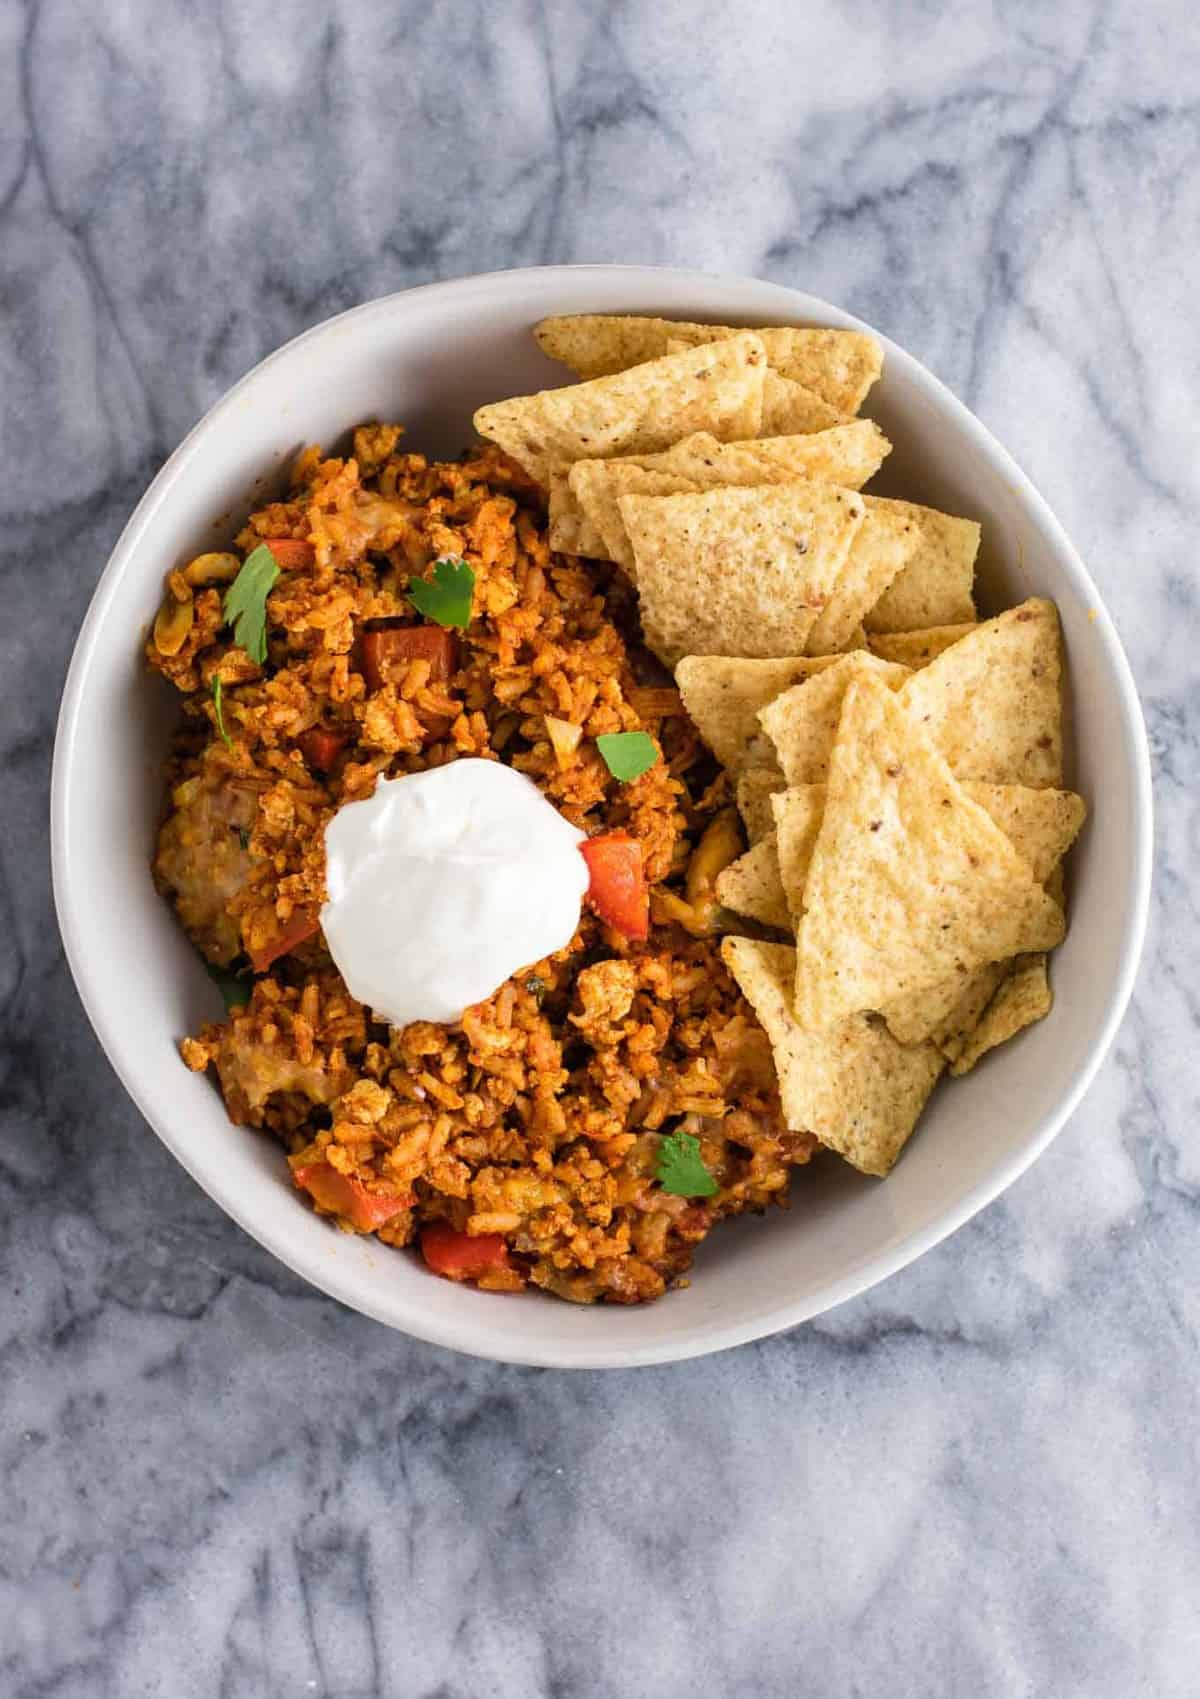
{"x": 388, "y": 651}
{"x": 292, "y": 554}
{"x": 342, "y": 1194}
{"x": 321, "y": 747}
{"x": 302, "y": 925}
{"x": 617, "y": 890}
{"x": 462, "y": 1256}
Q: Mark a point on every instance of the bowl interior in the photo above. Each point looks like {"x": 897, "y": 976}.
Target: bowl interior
{"x": 428, "y": 358}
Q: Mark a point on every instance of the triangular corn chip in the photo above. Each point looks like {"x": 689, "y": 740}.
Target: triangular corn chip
{"x": 885, "y": 542}
{"x": 797, "y": 812}
{"x": 853, "y": 1086}
{"x": 910, "y": 880}
{"x": 924, "y": 1014}
{"x": 738, "y": 572}
{"x": 840, "y": 365}
{"x": 685, "y": 466}
{"x": 954, "y": 1034}
{"x": 992, "y": 702}
{"x": 570, "y": 519}
{"x": 754, "y": 790}
{"x": 791, "y": 409}
{"x": 847, "y": 455}
{"x": 596, "y": 486}
{"x": 1023, "y": 997}
{"x": 935, "y": 586}
{"x": 595, "y": 344}
{"x": 751, "y": 886}
{"x": 916, "y": 648}
{"x": 802, "y": 726}
{"x": 717, "y": 387}
{"x": 699, "y": 456}
{"x": 1041, "y": 825}
{"x": 723, "y": 693}
{"x": 955, "y": 1028}
{"x": 571, "y": 530}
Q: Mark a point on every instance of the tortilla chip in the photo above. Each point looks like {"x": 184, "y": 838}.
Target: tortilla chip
{"x": 922, "y": 1015}
{"x": 1041, "y": 825}
{"x": 886, "y": 541}
{"x": 717, "y": 387}
{"x": 847, "y": 455}
{"x": 723, "y": 693}
{"x": 769, "y": 880}
{"x": 953, "y": 1031}
{"x": 798, "y": 813}
{"x": 992, "y": 702}
{"x": 597, "y": 484}
{"x": 754, "y": 789}
{"x": 789, "y": 409}
{"x": 835, "y": 367}
{"x": 699, "y": 455}
{"x": 935, "y": 586}
{"x": 738, "y": 572}
{"x": 571, "y": 530}
{"x": 1023, "y": 997}
{"x": 910, "y": 880}
{"x": 750, "y": 885}
{"x": 595, "y": 344}
{"x": 802, "y": 727}
{"x": 840, "y": 365}
{"x": 916, "y": 648}
{"x": 853, "y": 1086}
{"x": 684, "y": 466}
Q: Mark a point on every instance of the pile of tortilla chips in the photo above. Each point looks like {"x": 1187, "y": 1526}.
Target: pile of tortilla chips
{"x": 897, "y": 764}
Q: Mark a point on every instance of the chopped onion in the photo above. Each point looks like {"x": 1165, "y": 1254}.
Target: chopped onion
{"x": 564, "y": 738}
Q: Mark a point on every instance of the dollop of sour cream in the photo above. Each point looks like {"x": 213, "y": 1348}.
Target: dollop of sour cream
{"x": 442, "y": 884}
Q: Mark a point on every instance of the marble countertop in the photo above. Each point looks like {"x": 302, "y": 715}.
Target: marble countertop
{"x": 980, "y": 1478}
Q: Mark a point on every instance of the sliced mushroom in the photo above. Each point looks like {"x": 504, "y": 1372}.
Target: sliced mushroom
{"x": 212, "y": 569}
{"x": 172, "y": 624}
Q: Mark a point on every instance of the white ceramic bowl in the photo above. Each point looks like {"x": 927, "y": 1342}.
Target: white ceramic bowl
{"x": 429, "y": 357}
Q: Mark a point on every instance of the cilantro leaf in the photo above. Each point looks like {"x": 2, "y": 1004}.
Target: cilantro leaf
{"x": 447, "y": 601}
{"x": 680, "y": 1167}
{"x": 627, "y": 755}
{"x": 233, "y": 988}
{"x": 245, "y": 606}
{"x": 216, "y": 693}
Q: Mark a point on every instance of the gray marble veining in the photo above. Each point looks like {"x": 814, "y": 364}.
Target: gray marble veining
{"x": 981, "y": 1478}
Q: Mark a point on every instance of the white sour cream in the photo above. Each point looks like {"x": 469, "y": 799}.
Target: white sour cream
{"x": 442, "y": 884}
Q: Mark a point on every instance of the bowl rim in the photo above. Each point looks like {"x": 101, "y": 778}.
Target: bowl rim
{"x": 871, "y": 1270}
